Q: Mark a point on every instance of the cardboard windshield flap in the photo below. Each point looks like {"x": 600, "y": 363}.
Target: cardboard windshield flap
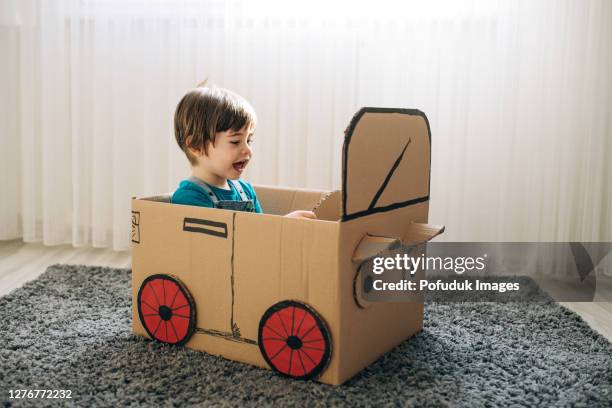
{"x": 279, "y": 292}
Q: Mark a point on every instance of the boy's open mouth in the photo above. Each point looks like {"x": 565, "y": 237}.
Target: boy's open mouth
{"x": 239, "y": 166}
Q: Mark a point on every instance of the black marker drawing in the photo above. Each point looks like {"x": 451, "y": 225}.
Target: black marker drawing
{"x": 217, "y": 229}
{"x": 136, "y": 227}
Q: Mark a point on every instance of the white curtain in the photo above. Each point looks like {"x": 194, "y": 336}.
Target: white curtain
{"x": 518, "y": 95}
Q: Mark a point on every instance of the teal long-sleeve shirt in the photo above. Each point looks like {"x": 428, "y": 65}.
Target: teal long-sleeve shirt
{"x": 189, "y": 193}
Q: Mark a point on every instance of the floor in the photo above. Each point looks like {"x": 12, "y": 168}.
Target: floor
{"x": 21, "y": 262}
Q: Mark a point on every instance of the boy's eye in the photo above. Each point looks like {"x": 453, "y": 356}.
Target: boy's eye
{"x": 237, "y": 142}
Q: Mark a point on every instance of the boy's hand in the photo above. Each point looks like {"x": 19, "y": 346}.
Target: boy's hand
{"x": 302, "y": 214}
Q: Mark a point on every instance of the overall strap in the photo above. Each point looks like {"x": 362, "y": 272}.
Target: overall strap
{"x": 206, "y": 188}
{"x": 238, "y": 188}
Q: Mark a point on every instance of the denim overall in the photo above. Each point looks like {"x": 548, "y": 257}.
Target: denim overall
{"x": 243, "y": 205}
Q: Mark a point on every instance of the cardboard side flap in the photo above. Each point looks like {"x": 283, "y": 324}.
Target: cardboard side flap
{"x": 274, "y": 200}
{"x": 306, "y": 200}
{"x": 371, "y": 245}
{"x": 162, "y": 198}
{"x": 281, "y": 200}
{"x": 419, "y": 233}
{"x": 329, "y": 208}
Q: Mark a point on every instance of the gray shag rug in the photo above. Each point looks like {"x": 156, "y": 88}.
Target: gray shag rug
{"x": 70, "y": 329}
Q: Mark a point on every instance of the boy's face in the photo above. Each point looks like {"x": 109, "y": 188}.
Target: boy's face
{"x": 229, "y": 155}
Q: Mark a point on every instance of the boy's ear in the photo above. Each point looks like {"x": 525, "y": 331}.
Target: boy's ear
{"x": 194, "y": 150}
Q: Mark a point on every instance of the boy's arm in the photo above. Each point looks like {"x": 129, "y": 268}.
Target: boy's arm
{"x": 302, "y": 214}
{"x": 257, "y": 205}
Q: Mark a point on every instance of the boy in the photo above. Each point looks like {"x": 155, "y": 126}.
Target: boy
{"x": 215, "y": 127}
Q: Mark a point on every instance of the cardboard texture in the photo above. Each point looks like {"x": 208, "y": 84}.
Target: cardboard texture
{"x": 280, "y": 292}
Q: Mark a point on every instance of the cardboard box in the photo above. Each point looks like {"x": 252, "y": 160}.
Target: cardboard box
{"x": 280, "y": 292}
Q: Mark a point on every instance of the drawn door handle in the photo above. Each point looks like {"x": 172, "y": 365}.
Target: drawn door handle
{"x": 214, "y": 228}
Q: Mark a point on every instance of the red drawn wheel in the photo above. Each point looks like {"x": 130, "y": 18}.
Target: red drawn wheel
{"x": 294, "y": 340}
{"x": 166, "y": 309}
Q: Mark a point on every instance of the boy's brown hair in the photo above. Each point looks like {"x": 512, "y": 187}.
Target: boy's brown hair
{"x": 206, "y": 110}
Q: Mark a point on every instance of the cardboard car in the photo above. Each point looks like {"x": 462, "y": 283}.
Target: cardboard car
{"x": 280, "y": 292}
